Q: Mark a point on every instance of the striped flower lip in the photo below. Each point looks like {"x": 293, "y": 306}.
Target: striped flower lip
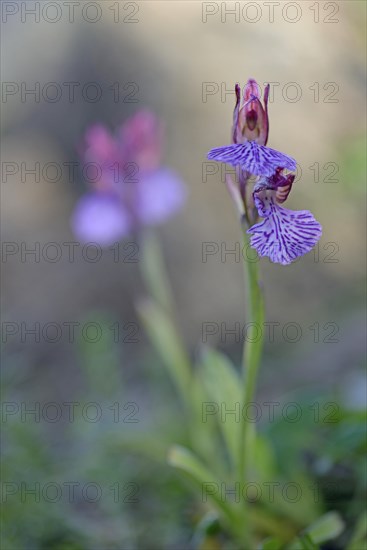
{"x": 284, "y": 234}
{"x": 252, "y": 157}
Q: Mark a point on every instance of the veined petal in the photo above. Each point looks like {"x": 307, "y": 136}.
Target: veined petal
{"x": 101, "y": 219}
{"x": 284, "y": 234}
{"x": 256, "y": 159}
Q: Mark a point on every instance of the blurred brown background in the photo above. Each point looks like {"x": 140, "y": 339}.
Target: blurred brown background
{"x": 170, "y": 53}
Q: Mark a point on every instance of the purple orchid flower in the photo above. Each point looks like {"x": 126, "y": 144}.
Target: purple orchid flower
{"x": 283, "y": 235}
{"x": 133, "y": 189}
{"x": 250, "y": 135}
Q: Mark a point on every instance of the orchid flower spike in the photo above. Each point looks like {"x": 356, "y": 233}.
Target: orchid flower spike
{"x": 283, "y": 235}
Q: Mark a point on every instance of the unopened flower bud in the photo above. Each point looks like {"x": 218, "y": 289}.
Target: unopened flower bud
{"x": 252, "y": 123}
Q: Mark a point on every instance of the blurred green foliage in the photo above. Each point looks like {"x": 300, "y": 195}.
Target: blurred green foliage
{"x": 165, "y": 514}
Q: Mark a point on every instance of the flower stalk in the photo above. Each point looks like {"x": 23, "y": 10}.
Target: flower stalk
{"x": 252, "y": 352}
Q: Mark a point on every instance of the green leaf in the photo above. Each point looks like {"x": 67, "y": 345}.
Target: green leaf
{"x": 307, "y": 543}
{"x": 204, "y": 436}
{"x": 359, "y": 538}
{"x": 164, "y": 337}
{"x": 264, "y": 459}
{"x": 184, "y": 460}
{"x": 209, "y": 524}
{"x": 207, "y": 532}
{"x": 271, "y": 544}
{"x": 223, "y": 387}
{"x": 325, "y": 528}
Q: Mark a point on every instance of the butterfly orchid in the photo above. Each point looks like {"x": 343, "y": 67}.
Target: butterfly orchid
{"x": 283, "y": 235}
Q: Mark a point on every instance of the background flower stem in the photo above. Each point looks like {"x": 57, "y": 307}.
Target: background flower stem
{"x": 157, "y": 316}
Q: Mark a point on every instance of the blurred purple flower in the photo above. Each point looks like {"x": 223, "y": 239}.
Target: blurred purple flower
{"x": 132, "y": 188}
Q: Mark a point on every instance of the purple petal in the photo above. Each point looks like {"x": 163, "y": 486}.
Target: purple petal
{"x": 142, "y": 136}
{"x": 161, "y": 195}
{"x": 100, "y": 146}
{"x": 101, "y": 219}
{"x": 256, "y": 159}
{"x": 284, "y": 234}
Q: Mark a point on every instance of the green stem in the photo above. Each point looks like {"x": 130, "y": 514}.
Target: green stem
{"x": 153, "y": 270}
{"x": 251, "y": 358}
{"x": 157, "y": 315}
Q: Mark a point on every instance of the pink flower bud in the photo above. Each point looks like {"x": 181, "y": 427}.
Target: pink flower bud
{"x": 142, "y": 136}
{"x": 251, "y": 121}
